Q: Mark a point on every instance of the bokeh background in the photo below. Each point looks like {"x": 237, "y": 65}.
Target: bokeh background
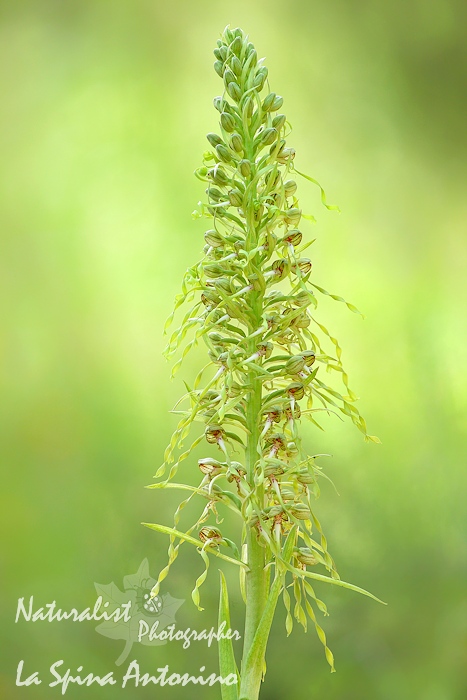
{"x": 104, "y": 110}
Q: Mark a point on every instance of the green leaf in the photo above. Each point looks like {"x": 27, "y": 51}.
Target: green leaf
{"x": 333, "y": 581}
{"x": 227, "y": 664}
{"x": 323, "y": 193}
{"x": 187, "y": 538}
{"x": 256, "y": 654}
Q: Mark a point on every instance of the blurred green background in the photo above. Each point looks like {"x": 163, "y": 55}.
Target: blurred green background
{"x": 104, "y": 110}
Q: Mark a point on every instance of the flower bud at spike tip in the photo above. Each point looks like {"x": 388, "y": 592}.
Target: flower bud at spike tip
{"x": 237, "y": 143}
{"x": 268, "y": 102}
{"x": 219, "y": 176}
{"x": 219, "y": 103}
{"x": 245, "y": 168}
{"x": 229, "y": 77}
{"x": 214, "y": 139}
{"x": 236, "y": 66}
{"x": 234, "y": 91}
{"x": 219, "y": 68}
{"x": 236, "y": 46}
{"x": 279, "y": 121}
{"x": 268, "y": 136}
{"x": 235, "y": 198}
{"x": 227, "y": 122}
{"x": 290, "y": 187}
{"x": 223, "y": 153}
{"x": 292, "y": 216}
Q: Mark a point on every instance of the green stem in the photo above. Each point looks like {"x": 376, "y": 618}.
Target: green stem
{"x": 257, "y": 578}
{"x": 256, "y": 582}
{"x": 253, "y": 667}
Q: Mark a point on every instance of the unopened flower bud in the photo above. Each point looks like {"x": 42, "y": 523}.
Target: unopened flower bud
{"x": 229, "y": 35}
{"x": 215, "y": 337}
{"x": 236, "y": 46}
{"x": 268, "y": 102}
{"x": 300, "y": 511}
{"x": 248, "y": 107}
{"x": 223, "y": 153}
{"x": 227, "y": 122}
{"x": 229, "y": 77}
{"x": 252, "y": 55}
{"x": 213, "y": 238}
{"x": 302, "y": 298}
{"x": 279, "y": 121}
{"x": 273, "y": 468}
{"x": 235, "y": 197}
{"x": 215, "y": 195}
{"x": 210, "y": 298}
{"x": 219, "y": 68}
{"x": 296, "y": 391}
{"x": 237, "y": 143}
{"x": 260, "y": 78}
{"x": 245, "y": 168}
{"x": 302, "y": 321}
{"x": 214, "y": 270}
{"x": 233, "y": 90}
{"x": 268, "y": 136}
{"x": 219, "y": 103}
{"x": 219, "y": 176}
{"x": 214, "y": 139}
{"x": 304, "y": 476}
{"x": 223, "y": 283}
{"x": 292, "y": 216}
{"x": 294, "y": 365}
{"x": 277, "y": 147}
{"x": 277, "y": 104}
{"x": 290, "y": 187}
{"x": 236, "y": 66}
{"x": 305, "y": 556}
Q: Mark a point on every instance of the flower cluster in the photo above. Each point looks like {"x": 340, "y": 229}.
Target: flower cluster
{"x": 253, "y": 303}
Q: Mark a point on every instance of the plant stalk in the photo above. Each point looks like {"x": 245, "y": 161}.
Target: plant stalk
{"x": 257, "y": 579}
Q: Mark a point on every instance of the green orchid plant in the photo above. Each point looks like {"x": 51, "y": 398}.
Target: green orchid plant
{"x": 251, "y": 300}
